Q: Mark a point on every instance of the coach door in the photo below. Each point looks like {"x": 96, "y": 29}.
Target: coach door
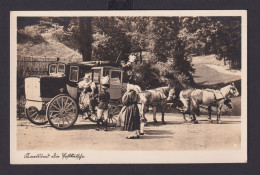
{"x": 115, "y": 89}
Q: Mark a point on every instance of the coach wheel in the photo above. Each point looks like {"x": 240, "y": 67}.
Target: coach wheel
{"x": 93, "y": 117}
{"x": 62, "y": 112}
{"x": 113, "y": 115}
{"x": 36, "y": 117}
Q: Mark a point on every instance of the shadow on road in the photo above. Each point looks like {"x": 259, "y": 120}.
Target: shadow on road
{"x": 160, "y": 123}
{"x": 157, "y": 134}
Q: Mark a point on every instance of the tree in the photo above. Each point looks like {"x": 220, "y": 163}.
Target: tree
{"x": 86, "y": 40}
{"x": 170, "y": 43}
{"x": 139, "y": 30}
{"x": 214, "y": 35}
{"x": 110, "y": 40}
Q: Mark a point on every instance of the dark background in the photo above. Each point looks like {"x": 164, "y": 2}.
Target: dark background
{"x": 250, "y": 168}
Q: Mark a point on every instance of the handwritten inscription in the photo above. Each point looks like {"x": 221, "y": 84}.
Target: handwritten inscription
{"x": 66, "y": 156}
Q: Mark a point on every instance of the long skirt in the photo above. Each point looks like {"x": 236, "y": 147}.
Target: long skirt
{"x": 85, "y": 101}
{"x": 131, "y": 116}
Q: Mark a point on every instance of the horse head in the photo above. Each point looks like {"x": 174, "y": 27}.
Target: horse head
{"x": 229, "y": 90}
{"x": 233, "y": 90}
{"x": 171, "y": 93}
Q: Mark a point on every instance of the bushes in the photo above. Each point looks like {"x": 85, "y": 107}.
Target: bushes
{"x": 68, "y": 39}
{"x": 172, "y": 76}
{"x": 149, "y": 75}
{"x": 146, "y": 76}
{"x": 23, "y": 38}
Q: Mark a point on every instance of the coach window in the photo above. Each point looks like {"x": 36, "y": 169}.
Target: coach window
{"x": 53, "y": 69}
{"x": 96, "y": 75}
{"x": 106, "y": 72}
{"x": 74, "y": 70}
{"x": 115, "y": 77}
{"x": 61, "y": 68}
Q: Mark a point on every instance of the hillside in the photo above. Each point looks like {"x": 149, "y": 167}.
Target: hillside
{"x": 40, "y": 41}
{"x": 213, "y": 73}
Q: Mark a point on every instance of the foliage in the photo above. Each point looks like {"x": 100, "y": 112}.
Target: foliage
{"x": 169, "y": 75}
{"x": 111, "y": 41}
{"x": 147, "y": 76}
{"x": 25, "y": 38}
{"x": 165, "y": 38}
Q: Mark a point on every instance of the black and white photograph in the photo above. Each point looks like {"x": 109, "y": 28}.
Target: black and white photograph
{"x": 103, "y": 87}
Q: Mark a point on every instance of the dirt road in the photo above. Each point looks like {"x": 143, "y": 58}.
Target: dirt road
{"x": 175, "y": 135}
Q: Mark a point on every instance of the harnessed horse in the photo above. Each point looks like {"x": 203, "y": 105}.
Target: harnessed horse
{"x": 211, "y": 97}
{"x": 155, "y": 97}
{"x": 185, "y": 98}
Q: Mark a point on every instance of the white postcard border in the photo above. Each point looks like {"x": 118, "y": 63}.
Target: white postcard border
{"x": 112, "y": 157}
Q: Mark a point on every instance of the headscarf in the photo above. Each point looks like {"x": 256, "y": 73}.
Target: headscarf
{"x": 136, "y": 88}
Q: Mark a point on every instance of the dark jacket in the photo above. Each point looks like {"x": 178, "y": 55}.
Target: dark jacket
{"x": 103, "y": 100}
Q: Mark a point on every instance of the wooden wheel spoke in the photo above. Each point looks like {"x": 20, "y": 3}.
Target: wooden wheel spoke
{"x": 62, "y": 102}
{"x": 56, "y": 120}
{"x": 55, "y": 116}
{"x": 55, "y": 107}
{"x": 69, "y": 115}
{"x": 67, "y": 119}
{"x": 71, "y": 109}
{"x": 57, "y": 101}
{"x": 114, "y": 110}
{"x": 69, "y": 105}
{"x": 64, "y": 113}
{"x": 113, "y": 118}
{"x": 66, "y": 102}
{"x": 33, "y": 114}
{"x": 53, "y": 111}
{"x": 37, "y": 115}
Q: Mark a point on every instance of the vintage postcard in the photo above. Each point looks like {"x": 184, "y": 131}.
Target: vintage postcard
{"x": 120, "y": 87}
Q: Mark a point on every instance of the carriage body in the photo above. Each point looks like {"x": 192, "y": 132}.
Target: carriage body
{"x": 59, "y": 90}
{"x": 40, "y": 89}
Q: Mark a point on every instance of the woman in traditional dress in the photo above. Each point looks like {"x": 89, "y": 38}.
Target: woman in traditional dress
{"x": 86, "y": 97}
{"x": 130, "y": 111}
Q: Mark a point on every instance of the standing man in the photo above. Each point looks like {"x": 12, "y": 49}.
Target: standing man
{"x": 103, "y": 102}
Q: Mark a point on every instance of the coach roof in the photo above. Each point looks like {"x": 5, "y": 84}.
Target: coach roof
{"x": 93, "y": 63}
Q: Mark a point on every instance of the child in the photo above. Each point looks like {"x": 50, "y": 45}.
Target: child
{"x": 103, "y": 102}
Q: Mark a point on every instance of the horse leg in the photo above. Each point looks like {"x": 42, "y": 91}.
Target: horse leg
{"x": 190, "y": 116}
{"x": 194, "y": 120}
{"x": 184, "y": 118}
{"x": 143, "y": 109}
{"x": 186, "y": 108}
{"x": 163, "y": 122}
{"x": 154, "y": 115}
{"x": 209, "y": 110}
{"x": 218, "y": 114}
{"x": 193, "y": 109}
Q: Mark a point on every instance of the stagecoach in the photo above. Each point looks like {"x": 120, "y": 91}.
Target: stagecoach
{"x": 54, "y": 97}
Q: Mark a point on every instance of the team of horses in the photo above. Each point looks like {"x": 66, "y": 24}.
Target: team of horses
{"x": 192, "y": 99}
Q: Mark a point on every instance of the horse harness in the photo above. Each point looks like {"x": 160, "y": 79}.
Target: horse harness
{"x": 215, "y": 97}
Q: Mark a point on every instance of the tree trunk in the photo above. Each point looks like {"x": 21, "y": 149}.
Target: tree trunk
{"x": 141, "y": 58}
{"x": 86, "y": 37}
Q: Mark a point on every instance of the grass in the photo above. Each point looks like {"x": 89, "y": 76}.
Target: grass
{"x": 37, "y": 41}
